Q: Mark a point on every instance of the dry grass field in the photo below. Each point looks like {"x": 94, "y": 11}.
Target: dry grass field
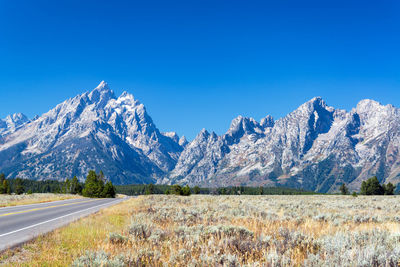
{"x": 13, "y": 200}
{"x": 318, "y": 230}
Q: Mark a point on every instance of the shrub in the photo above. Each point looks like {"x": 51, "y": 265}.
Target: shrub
{"x": 115, "y": 238}
{"x": 99, "y": 259}
{"x": 140, "y": 231}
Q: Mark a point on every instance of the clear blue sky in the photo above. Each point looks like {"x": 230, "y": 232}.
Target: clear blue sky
{"x": 198, "y": 64}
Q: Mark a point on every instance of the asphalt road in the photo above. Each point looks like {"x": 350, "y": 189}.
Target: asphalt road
{"x": 19, "y": 224}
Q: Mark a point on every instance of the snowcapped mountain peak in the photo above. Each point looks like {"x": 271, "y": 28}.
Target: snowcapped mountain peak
{"x": 101, "y": 95}
{"x": 173, "y": 135}
{"x": 12, "y": 122}
{"x": 16, "y": 118}
{"x": 126, "y": 95}
{"x": 242, "y": 126}
{"x": 183, "y": 141}
{"x": 315, "y": 103}
{"x": 127, "y": 98}
{"x": 93, "y": 130}
{"x": 102, "y": 86}
{"x": 242, "y": 123}
{"x": 203, "y": 132}
{"x": 315, "y": 147}
{"x": 368, "y": 105}
{"x": 268, "y": 121}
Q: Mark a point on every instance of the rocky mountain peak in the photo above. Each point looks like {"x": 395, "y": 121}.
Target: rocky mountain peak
{"x": 173, "y": 135}
{"x": 202, "y": 134}
{"x": 183, "y": 141}
{"x": 315, "y": 147}
{"x": 12, "y": 122}
{"x": 102, "y": 86}
{"x": 243, "y": 125}
{"x": 370, "y": 106}
{"x": 268, "y": 121}
{"x": 16, "y": 119}
{"x": 315, "y": 104}
{"x": 101, "y": 95}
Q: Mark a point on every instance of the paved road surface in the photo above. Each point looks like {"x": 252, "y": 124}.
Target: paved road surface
{"x": 19, "y": 224}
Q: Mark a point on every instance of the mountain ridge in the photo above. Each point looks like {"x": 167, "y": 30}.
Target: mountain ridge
{"x": 315, "y": 147}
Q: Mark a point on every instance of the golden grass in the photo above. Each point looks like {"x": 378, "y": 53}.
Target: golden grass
{"x": 14, "y": 200}
{"x": 218, "y": 231}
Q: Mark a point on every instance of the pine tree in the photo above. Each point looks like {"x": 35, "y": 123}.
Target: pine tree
{"x": 67, "y": 187}
{"x": 363, "y": 189}
{"x": 389, "y": 189}
{"x": 109, "y": 190}
{"x": 260, "y": 190}
{"x": 101, "y": 176}
{"x": 3, "y": 189}
{"x": 372, "y": 187}
{"x": 7, "y": 187}
{"x": 19, "y": 188}
{"x": 75, "y": 186}
{"x": 343, "y": 189}
{"x": 93, "y": 185}
{"x": 149, "y": 189}
{"x": 176, "y": 189}
{"x": 196, "y": 190}
{"x": 186, "y": 191}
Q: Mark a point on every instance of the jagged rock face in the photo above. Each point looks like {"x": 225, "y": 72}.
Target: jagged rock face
{"x": 94, "y": 130}
{"x": 11, "y": 123}
{"x": 315, "y": 147}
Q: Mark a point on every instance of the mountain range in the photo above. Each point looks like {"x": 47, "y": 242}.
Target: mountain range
{"x": 316, "y": 147}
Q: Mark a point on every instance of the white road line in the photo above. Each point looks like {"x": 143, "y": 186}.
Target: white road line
{"x": 31, "y": 226}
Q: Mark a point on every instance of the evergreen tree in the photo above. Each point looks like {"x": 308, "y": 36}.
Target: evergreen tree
{"x": 372, "y": 187}
{"x": 149, "y": 189}
{"x": 260, "y": 190}
{"x": 93, "y": 185}
{"x": 19, "y": 188}
{"x": 102, "y": 177}
{"x": 363, "y": 189}
{"x": 196, "y": 190}
{"x": 76, "y": 187}
{"x": 344, "y": 190}
{"x": 186, "y": 191}
{"x": 3, "y": 189}
{"x": 66, "y": 187}
{"x": 7, "y": 187}
{"x": 389, "y": 189}
{"x": 176, "y": 189}
{"x": 109, "y": 190}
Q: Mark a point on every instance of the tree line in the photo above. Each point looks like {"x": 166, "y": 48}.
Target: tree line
{"x": 141, "y": 189}
{"x": 95, "y": 185}
{"x": 371, "y": 187}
